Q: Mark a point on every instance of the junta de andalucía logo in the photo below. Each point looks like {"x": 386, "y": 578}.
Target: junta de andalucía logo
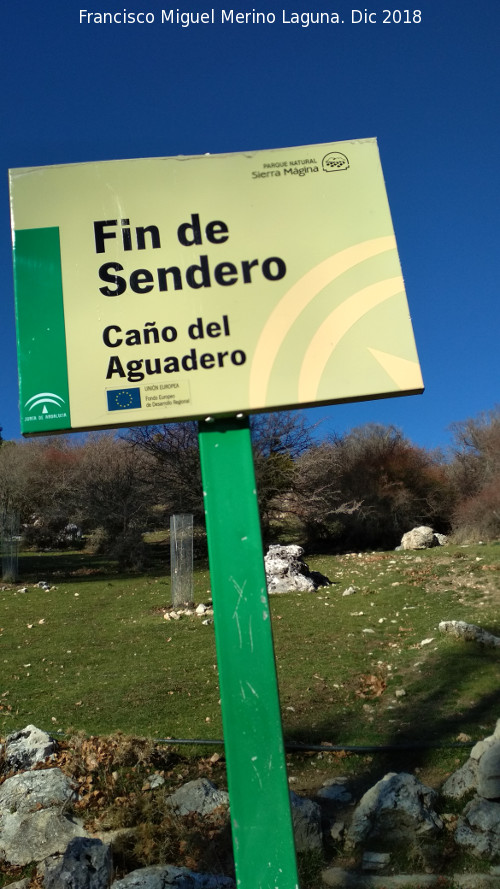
{"x": 50, "y": 402}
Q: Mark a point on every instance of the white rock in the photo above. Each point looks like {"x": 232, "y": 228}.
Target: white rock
{"x": 26, "y": 748}
{"x": 155, "y": 781}
{"x": 197, "y": 796}
{"x": 469, "y": 632}
{"x": 399, "y": 807}
{"x": 287, "y": 572}
{"x": 479, "y": 828}
{"x": 33, "y": 824}
{"x": 422, "y": 537}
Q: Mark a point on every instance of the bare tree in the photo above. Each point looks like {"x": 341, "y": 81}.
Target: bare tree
{"x": 113, "y": 496}
{"x": 366, "y": 488}
{"x": 475, "y": 475}
{"x": 277, "y": 440}
{"x": 177, "y": 475}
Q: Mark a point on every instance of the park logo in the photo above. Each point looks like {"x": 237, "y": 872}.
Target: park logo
{"x": 334, "y": 161}
{"x": 44, "y": 398}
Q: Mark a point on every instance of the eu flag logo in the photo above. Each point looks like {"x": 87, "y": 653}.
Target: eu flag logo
{"x": 124, "y": 399}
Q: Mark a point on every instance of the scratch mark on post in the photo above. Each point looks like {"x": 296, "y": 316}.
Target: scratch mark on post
{"x": 254, "y": 767}
{"x": 243, "y": 695}
{"x": 250, "y": 633}
{"x": 239, "y": 589}
{"x": 235, "y": 615}
{"x": 251, "y": 689}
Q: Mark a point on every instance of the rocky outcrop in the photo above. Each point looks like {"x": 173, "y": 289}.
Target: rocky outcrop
{"x": 286, "y": 571}
{"x": 488, "y": 773}
{"x": 422, "y": 537}
{"x": 465, "y": 779}
{"x": 469, "y": 632}
{"x": 36, "y": 825}
{"x": 85, "y": 864}
{"x": 398, "y": 808}
{"x": 36, "y": 822}
{"x": 33, "y": 823}
{"x": 479, "y": 828}
{"x": 161, "y": 876}
{"x": 199, "y": 796}
{"x": 26, "y": 748}
{"x": 306, "y": 817}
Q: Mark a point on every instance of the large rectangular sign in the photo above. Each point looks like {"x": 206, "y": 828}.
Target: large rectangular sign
{"x": 165, "y": 289}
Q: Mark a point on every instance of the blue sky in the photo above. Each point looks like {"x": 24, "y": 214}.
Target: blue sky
{"x": 427, "y": 90}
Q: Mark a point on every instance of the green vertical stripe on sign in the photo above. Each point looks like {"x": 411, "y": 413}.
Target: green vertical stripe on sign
{"x": 41, "y": 338}
{"x": 259, "y": 797}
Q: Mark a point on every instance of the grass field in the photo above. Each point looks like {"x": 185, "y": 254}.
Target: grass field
{"x": 93, "y": 657}
{"x": 95, "y": 653}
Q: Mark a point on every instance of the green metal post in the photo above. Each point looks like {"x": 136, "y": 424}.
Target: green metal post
{"x": 258, "y": 787}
